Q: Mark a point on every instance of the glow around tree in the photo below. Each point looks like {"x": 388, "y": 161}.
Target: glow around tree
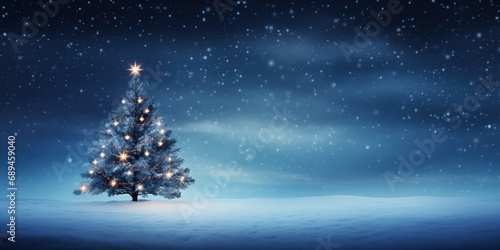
{"x": 135, "y": 154}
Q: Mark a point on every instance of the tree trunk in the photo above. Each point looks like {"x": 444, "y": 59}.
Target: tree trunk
{"x": 134, "y": 196}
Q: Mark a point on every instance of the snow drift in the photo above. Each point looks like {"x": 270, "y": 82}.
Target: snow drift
{"x": 330, "y": 222}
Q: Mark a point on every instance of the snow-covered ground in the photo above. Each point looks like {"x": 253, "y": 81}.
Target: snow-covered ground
{"x": 330, "y": 222}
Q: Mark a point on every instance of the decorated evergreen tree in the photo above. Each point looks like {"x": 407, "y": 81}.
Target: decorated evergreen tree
{"x": 135, "y": 154}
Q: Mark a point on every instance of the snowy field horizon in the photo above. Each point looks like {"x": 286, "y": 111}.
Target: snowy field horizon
{"x": 325, "y": 222}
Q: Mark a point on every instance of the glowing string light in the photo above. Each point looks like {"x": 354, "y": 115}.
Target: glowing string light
{"x": 113, "y": 183}
{"x": 169, "y": 175}
{"x": 127, "y": 137}
{"x": 146, "y": 111}
{"x": 103, "y": 154}
{"x": 146, "y": 153}
{"x": 141, "y": 119}
{"x": 123, "y": 156}
{"x": 124, "y": 101}
{"x": 140, "y": 187}
{"x": 181, "y": 179}
{"x": 160, "y": 143}
{"x": 95, "y": 162}
{"x": 139, "y": 100}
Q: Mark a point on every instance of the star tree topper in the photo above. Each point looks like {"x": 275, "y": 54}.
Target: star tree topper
{"x": 135, "y": 69}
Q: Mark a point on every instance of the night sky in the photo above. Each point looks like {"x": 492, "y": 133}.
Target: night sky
{"x": 265, "y": 86}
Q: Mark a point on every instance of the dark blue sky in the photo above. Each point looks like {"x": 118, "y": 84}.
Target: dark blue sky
{"x": 226, "y": 85}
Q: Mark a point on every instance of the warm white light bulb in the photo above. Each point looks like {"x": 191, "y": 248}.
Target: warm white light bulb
{"x": 182, "y": 179}
{"x": 115, "y": 123}
{"x": 169, "y": 175}
{"x": 103, "y": 154}
{"x": 146, "y": 153}
{"x": 124, "y": 101}
{"x": 141, "y": 119}
{"x": 95, "y": 162}
{"x": 169, "y": 158}
{"x": 83, "y": 188}
{"x": 139, "y": 100}
{"x": 146, "y": 111}
{"x": 113, "y": 183}
{"x": 127, "y": 137}
{"x": 123, "y": 156}
{"x": 129, "y": 172}
{"x": 162, "y": 131}
{"x": 158, "y": 123}
{"x": 160, "y": 143}
{"x": 91, "y": 171}
{"x": 140, "y": 187}
{"x": 109, "y": 131}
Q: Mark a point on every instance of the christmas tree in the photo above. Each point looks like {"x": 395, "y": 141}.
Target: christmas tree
{"x": 135, "y": 154}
